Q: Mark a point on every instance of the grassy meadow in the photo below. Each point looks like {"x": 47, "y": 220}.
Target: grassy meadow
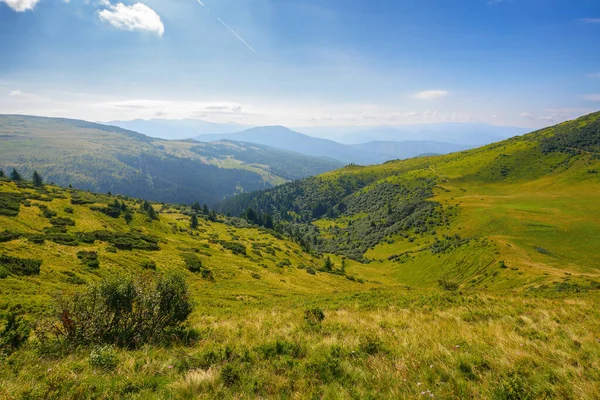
{"x": 486, "y": 288}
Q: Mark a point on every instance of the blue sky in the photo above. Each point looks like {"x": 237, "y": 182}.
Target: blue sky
{"x": 302, "y": 62}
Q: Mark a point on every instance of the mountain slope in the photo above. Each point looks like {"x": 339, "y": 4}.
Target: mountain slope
{"x": 284, "y": 138}
{"x": 104, "y": 158}
{"x": 407, "y": 148}
{"x": 177, "y": 129}
{"x": 514, "y": 213}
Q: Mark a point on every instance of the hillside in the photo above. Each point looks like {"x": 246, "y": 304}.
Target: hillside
{"x": 400, "y": 150}
{"x": 105, "y": 158}
{"x": 269, "y": 319}
{"x": 520, "y": 213}
{"x": 177, "y": 129}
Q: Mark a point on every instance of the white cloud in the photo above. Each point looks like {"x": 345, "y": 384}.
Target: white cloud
{"x": 590, "y": 20}
{"x": 525, "y": 115}
{"x": 430, "y": 94}
{"x": 135, "y": 17}
{"x": 592, "y": 97}
{"x": 20, "y": 5}
{"x": 15, "y": 93}
{"x": 596, "y": 75}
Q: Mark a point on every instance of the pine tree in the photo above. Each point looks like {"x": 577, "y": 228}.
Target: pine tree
{"x": 194, "y": 222}
{"x": 328, "y": 265}
{"x": 128, "y": 217}
{"x": 151, "y": 212}
{"x": 15, "y": 176}
{"x": 205, "y": 209}
{"x": 343, "y": 265}
{"x": 37, "y": 179}
{"x": 1, "y": 173}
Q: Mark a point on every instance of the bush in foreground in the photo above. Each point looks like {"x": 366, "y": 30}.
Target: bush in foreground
{"x": 125, "y": 312}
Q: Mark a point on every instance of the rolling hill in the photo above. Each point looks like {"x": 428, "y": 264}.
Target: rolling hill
{"x": 105, "y": 158}
{"x": 364, "y": 154}
{"x": 478, "y": 277}
{"x": 518, "y": 213}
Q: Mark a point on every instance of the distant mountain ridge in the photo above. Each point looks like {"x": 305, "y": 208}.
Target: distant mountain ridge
{"x": 105, "y": 158}
{"x": 177, "y": 129}
{"x": 364, "y": 154}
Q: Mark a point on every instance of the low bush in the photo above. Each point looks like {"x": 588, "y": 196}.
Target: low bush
{"x": 149, "y": 265}
{"x": 447, "y": 284}
{"x": 194, "y": 264}
{"x": 123, "y": 312}
{"x": 7, "y": 236}
{"x": 14, "y": 332}
{"x": 20, "y": 266}
{"x": 314, "y": 316}
{"x": 89, "y": 258}
{"x": 10, "y": 204}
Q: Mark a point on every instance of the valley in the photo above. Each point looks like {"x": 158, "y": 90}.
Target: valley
{"x": 473, "y": 274}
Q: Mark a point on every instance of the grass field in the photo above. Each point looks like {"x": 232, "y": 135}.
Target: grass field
{"x": 500, "y": 301}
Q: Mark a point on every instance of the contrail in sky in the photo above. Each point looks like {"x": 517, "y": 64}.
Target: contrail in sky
{"x": 225, "y": 25}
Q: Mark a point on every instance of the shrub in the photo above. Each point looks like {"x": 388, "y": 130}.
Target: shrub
{"x": 14, "y": 334}
{"x": 61, "y": 221}
{"x": 7, "y": 236}
{"x": 125, "y": 312}
{"x": 20, "y": 266}
{"x": 89, "y": 258}
{"x": 69, "y": 210}
{"x": 314, "y": 316}
{"x": 447, "y": 284}
{"x": 104, "y": 358}
{"x": 512, "y": 387}
{"x": 10, "y": 204}
{"x": 311, "y": 270}
{"x": 284, "y": 263}
{"x": 194, "y": 265}
{"x": 149, "y": 265}
{"x": 234, "y": 247}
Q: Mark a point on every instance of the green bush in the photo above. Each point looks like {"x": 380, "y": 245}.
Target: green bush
{"x": 149, "y": 265}
{"x": 7, "y": 236}
{"x": 104, "y": 358}
{"x": 314, "y": 316}
{"x": 234, "y": 247}
{"x": 311, "y": 270}
{"x": 20, "y": 266}
{"x": 10, "y": 204}
{"x": 447, "y": 284}
{"x": 125, "y": 312}
{"x": 284, "y": 263}
{"x": 194, "y": 264}
{"x": 14, "y": 333}
{"x": 89, "y": 258}
{"x": 230, "y": 374}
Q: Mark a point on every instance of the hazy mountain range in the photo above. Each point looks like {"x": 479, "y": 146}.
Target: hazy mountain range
{"x": 359, "y": 145}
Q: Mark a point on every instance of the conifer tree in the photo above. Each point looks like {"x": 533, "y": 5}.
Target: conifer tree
{"x": 15, "y": 176}
{"x": 194, "y": 221}
{"x": 37, "y": 179}
{"x": 328, "y": 265}
{"x": 1, "y": 173}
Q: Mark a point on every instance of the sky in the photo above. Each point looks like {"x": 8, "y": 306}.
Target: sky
{"x": 528, "y": 63}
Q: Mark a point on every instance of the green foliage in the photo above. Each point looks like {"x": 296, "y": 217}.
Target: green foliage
{"x": 194, "y": 264}
{"x": 89, "y": 259}
{"x": 448, "y": 284}
{"x": 149, "y": 265}
{"x": 15, "y": 176}
{"x": 125, "y": 312}
{"x": 14, "y": 332}
{"x": 328, "y": 265}
{"x": 37, "y": 180}
{"x": 194, "y": 221}
{"x": 234, "y": 247}
{"x": 7, "y": 236}
{"x": 513, "y": 387}
{"x": 314, "y": 316}
{"x": 230, "y": 374}
{"x": 19, "y": 266}
{"x": 573, "y": 137}
{"x": 10, "y": 204}
{"x": 104, "y": 358}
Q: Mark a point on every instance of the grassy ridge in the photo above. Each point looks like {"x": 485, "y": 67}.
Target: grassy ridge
{"x": 518, "y": 213}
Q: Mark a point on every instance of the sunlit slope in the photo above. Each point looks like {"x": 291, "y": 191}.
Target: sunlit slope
{"x": 540, "y": 211}
{"x": 53, "y": 227}
{"x": 518, "y": 213}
